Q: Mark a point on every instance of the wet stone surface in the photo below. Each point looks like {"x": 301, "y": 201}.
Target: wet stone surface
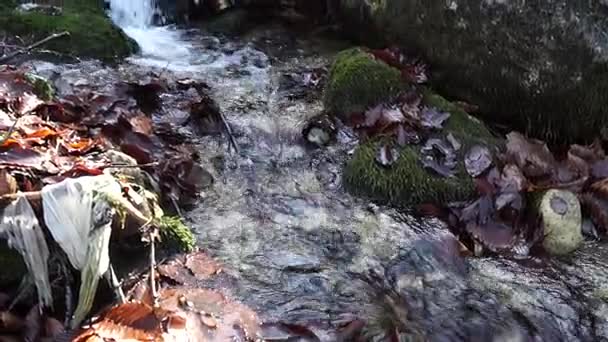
{"x": 299, "y": 250}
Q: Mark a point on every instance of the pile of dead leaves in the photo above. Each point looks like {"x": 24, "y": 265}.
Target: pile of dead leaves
{"x": 46, "y": 141}
{"x": 503, "y": 218}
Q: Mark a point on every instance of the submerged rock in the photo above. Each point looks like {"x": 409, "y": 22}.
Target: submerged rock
{"x": 538, "y": 66}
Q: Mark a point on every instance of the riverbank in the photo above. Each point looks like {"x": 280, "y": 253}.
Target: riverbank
{"x": 92, "y": 33}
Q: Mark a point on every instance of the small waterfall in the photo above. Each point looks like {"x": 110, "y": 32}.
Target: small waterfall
{"x": 133, "y": 13}
{"x": 160, "y": 46}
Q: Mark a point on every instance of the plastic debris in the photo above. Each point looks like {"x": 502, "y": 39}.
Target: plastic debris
{"x": 20, "y": 225}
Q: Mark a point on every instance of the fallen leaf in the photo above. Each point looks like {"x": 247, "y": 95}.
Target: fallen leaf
{"x": 386, "y": 156}
{"x": 432, "y": 118}
{"x": 201, "y": 265}
{"x": 8, "y": 184}
{"x": 531, "y": 156}
{"x": 53, "y": 328}
{"x": 10, "y": 323}
{"x": 477, "y": 160}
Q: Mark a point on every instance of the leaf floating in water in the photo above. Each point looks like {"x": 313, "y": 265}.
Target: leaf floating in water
{"x": 432, "y": 118}
{"x": 478, "y": 160}
{"x": 386, "y": 156}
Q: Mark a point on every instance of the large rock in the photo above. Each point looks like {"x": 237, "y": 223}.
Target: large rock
{"x": 537, "y": 65}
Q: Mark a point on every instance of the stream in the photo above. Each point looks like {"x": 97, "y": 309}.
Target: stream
{"x": 300, "y": 250}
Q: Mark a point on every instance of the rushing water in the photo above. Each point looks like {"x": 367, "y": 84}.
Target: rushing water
{"x": 296, "y": 245}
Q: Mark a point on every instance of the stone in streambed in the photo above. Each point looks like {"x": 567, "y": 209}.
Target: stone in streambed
{"x": 562, "y": 221}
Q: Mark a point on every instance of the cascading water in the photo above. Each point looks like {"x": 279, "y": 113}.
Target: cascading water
{"x": 161, "y": 46}
{"x": 133, "y": 13}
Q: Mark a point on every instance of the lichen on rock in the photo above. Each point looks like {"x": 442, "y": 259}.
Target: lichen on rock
{"x": 407, "y": 182}
{"x": 562, "y": 221}
{"x": 357, "y": 82}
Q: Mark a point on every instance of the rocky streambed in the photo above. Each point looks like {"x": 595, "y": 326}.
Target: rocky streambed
{"x": 306, "y": 255}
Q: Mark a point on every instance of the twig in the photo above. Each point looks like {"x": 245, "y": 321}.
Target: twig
{"x": 128, "y": 166}
{"x": 152, "y": 236}
{"x": 24, "y": 287}
{"x": 229, "y": 132}
{"x": 69, "y": 305}
{"x": 115, "y": 284}
{"x": 33, "y": 46}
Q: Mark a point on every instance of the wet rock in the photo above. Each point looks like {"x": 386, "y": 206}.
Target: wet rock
{"x": 210, "y": 43}
{"x": 320, "y": 130}
{"x": 357, "y": 82}
{"x": 539, "y": 67}
{"x": 562, "y": 223}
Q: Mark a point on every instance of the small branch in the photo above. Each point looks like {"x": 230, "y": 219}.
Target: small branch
{"x": 33, "y": 46}
{"x": 229, "y": 133}
{"x": 115, "y": 284}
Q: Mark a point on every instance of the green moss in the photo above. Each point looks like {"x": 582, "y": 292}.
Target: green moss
{"x": 175, "y": 234}
{"x": 357, "y": 82}
{"x": 42, "y": 87}
{"x": 407, "y": 182}
{"x": 92, "y": 34}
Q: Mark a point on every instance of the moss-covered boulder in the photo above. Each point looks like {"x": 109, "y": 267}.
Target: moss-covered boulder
{"x": 407, "y": 182}
{"x": 539, "y": 67}
{"x": 357, "y": 82}
{"x": 92, "y": 33}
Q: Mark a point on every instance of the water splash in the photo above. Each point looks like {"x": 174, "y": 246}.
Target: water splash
{"x": 160, "y": 46}
{"x": 133, "y": 13}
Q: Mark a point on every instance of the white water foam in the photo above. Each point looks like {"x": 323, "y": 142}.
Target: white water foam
{"x": 161, "y": 46}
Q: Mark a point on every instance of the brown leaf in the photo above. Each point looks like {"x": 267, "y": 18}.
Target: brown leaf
{"x": 140, "y": 123}
{"x": 53, "y": 328}
{"x": 10, "y": 323}
{"x": 596, "y": 208}
{"x": 175, "y": 270}
{"x": 532, "y": 156}
{"x": 134, "y": 321}
{"x": 202, "y": 266}
{"x": 8, "y": 184}
{"x": 34, "y": 324}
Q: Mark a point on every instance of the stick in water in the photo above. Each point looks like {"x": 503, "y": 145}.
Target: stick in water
{"x": 33, "y": 46}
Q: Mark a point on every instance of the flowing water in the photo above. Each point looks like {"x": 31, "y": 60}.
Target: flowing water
{"x": 297, "y": 246}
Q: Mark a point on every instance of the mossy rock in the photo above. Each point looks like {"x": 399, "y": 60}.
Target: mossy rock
{"x": 92, "y": 33}
{"x": 357, "y": 82}
{"x": 407, "y": 182}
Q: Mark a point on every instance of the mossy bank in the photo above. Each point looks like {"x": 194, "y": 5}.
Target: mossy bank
{"x": 407, "y": 182}
{"x": 356, "y": 82}
{"x": 92, "y": 33}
